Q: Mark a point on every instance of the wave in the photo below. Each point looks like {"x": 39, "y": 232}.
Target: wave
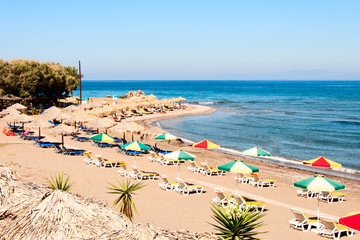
{"x": 206, "y": 103}
{"x": 345, "y": 122}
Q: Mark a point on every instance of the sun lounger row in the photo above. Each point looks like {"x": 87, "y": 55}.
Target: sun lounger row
{"x": 179, "y": 186}
{"x": 136, "y": 173}
{"x": 128, "y": 152}
{"x": 323, "y": 195}
{"x": 323, "y": 225}
{"x": 66, "y": 151}
{"x": 204, "y": 169}
{"x": 99, "y": 161}
{"x": 255, "y": 180}
{"x": 159, "y": 158}
{"x": 80, "y": 139}
{"x": 45, "y": 144}
{"x": 223, "y": 199}
{"x": 159, "y": 151}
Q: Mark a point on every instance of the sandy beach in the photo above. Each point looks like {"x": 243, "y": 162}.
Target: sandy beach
{"x": 169, "y": 209}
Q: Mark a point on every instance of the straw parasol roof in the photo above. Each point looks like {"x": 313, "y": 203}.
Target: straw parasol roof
{"x": 40, "y": 122}
{"x": 9, "y": 111}
{"x": 63, "y": 129}
{"x": 18, "y": 117}
{"x": 85, "y": 106}
{"x": 77, "y": 118}
{"x": 17, "y": 106}
{"x": 61, "y": 215}
{"x": 71, "y": 108}
{"x": 100, "y": 123}
{"x": 53, "y": 111}
{"x": 126, "y": 126}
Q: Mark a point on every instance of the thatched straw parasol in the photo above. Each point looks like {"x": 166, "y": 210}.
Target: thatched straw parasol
{"x": 17, "y": 106}
{"x": 63, "y": 129}
{"x": 61, "y": 116}
{"x": 15, "y": 193}
{"x": 9, "y": 111}
{"x": 18, "y": 118}
{"x": 71, "y": 108}
{"x": 60, "y": 215}
{"x": 40, "y": 122}
{"x": 85, "y": 106}
{"x": 100, "y": 123}
{"x": 126, "y": 127}
{"x": 53, "y": 111}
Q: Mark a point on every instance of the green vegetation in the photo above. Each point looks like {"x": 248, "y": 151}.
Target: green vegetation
{"x": 235, "y": 224}
{"x": 125, "y": 190}
{"x": 58, "y": 183}
{"x": 32, "y": 79}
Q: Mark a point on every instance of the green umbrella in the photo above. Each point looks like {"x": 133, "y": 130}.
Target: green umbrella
{"x": 165, "y": 136}
{"x": 135, "y": 146}
{"x": 179, "y": 155}
{"x": 238, "y": 166}
{"x": 102, "y": 137}
{"x": 319, "y": 183}
{"x": 256, "y": 151}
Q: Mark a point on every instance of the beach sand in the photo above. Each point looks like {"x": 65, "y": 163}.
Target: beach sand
{"x": 169, "y": 209}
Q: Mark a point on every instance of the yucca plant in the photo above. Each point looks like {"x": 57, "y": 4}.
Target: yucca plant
{"x": 234, "y": 223}
{"x": 59, "y": 183}
{"x": 126, "y": 190}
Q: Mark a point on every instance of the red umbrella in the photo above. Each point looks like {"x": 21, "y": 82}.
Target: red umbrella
{"x": 352, "y": 220}
{"x": 322, "y": 162}
{"x": 206, "y": 144}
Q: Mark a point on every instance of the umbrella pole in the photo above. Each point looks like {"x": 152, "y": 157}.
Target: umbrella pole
{"x": 62, "y": 139}
{"x": 135, "y": 160}
{"x": 39, "y": 133}
{"x": 178, "y": 170}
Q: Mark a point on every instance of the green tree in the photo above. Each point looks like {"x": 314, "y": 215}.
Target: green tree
{"x": 234, "y": 223}
{"x": 125, "y": 192}
{"x": 29, "y": 78}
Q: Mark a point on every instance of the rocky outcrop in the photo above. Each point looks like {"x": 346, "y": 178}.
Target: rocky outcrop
{"x": 135, "y": 94}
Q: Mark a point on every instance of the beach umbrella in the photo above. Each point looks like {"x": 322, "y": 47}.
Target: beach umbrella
{"x": 206, "y": 144}
{"x": 52, "y": 112}
{"x": 17, "y": 106}
{"x": 71, "y": 108}
{"x": 179, "y": 155}
{"x": 256, "y": 151}
{"x": 100, "y": 123}
{"x": 322, "y": 162}
{"x": 319, "y": 183}
{"x": 63, "y": 129}
{"x": 351, "y": 220}
{"x": 165, "y": 136}
{"x": 9, "y": 111}
{"x": 238, "y": 166}
{"x": 41, "y": 123}
{"x": 102, "y": 137}
{"x": 135, "y": 146}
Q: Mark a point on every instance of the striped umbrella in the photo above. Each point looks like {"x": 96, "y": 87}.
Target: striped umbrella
{"x": 165, "y": 136}
{"x": 352, "y": 220}
{"x": 238, "y": 166}
{"x": 256, "y": 151}
{"x": 319, "y": 183}
{"x": 135, "y": 146}
{"x": 179, "y": 155}
{"x": 102, "y": 137}
{"x": 206, "y": 144}
{"x": 322, "y": 162}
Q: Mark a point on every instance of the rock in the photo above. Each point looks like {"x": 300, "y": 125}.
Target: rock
{"x": 135, "y": 94}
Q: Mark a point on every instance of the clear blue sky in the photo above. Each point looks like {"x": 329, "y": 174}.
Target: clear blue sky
{"x": 188, "y": 39}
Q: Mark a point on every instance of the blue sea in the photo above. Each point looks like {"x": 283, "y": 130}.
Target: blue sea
{"x": 294, "y": 119}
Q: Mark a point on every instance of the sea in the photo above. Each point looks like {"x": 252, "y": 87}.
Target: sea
{"x": 295, "y": 119}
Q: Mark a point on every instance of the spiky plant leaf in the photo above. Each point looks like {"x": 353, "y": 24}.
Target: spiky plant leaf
{"x": 125, "y": 190}
{"x": 58, "y": 183}
{"x": 234, "y": 223}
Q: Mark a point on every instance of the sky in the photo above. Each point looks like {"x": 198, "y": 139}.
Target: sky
{"x": 188, "y": 39}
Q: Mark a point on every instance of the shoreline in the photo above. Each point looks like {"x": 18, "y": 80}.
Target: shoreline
{"x": 343, "y": 172}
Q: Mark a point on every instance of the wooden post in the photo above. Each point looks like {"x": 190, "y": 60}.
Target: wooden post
{"x": 80, "y": 82}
